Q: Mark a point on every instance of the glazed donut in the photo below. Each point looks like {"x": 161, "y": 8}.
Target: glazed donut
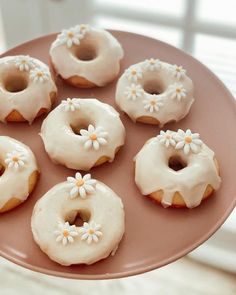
{"x": 27, "y": 89}
{"x": 19, "y": 173}
{"x": 82, "y": 133}
{"x": 182, "y": 170}
{"x": 155, "y": 92}
{"x": 100, "y": 209}
{"x": 86, "y": 57}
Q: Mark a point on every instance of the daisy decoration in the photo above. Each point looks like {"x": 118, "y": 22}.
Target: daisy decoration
{"x": 65, "y": 233}
{"x": 70, "y": 104}
{"x": 167, "y": 138}
{"x": 81, "y": 186}
{"x": 90, "y": 232}
{"x": 177, "y": 91}
{"x": 187, "y": 141}
{"x": 16, "y": 159}
{"x": 93, "y": 137}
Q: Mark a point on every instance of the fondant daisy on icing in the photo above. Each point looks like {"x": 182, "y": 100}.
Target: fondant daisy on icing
{"x": 93, "y": 137}
{"x": 90, "y": 232}
{"x": 83, "y": 28}
{"x": 81, "y": 186}
{"x": 70, "y": 37}
{"x": 70, "y": 104}
{"x": 133, "y": 74}
{"x": 24, "y": 63}
{"x": 152, "y": 64}
{"x": 177, "y": 91}
{"x": 187, "y": 141}
{"x": 178, "y": 71}
{"x": 153, "y": 103}
{"x": 15, "y": 159}
{"x": 65, "y": 233}
{"x": 133, "y": 92}
{"x": 167, "y": 138}
{"x": 39, "y": 75}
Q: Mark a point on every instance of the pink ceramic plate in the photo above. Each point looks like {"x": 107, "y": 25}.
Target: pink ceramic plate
{"x": 154, "y": 236}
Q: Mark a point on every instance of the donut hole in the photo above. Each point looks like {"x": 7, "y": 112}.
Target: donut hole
{"x": 2, "y": 170}
{"x": 153, "y": 87}
{"x": 76, "y": 128}
{"x": 86, "y": 52}
{"x": 176, "y": 163}
{"x": 15, "y": 83}
{"x": 79, "y": 217}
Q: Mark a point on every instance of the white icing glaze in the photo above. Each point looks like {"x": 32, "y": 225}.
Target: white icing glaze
{"x": 171, "y": 81}
{"x": 101, "y": 70}
{"x": 190, "y": 181}
{"x": 106, "y": 219}
{"x": 35, "y": 96}
{"x": 58, "y": 135}
{"x": 14, "y": 182}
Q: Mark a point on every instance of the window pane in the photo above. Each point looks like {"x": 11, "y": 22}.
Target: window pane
{"x": 2, "y": 39}
{"x": 219, "y": 54}
{"x": 217, "y": 11}
{"x": 166, "y": 34}
{"x": 170, "y": 7}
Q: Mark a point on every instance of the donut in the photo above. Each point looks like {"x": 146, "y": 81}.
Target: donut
{"x": 155, "y": 92}
{"x": 86, "y": 57}
{"x": 177, "y": 169}
{"x": 99, "y": 210}
{"x": 19, "y": 173}
{"x": 82, "y": 133}
{"x": 27, "y": 89}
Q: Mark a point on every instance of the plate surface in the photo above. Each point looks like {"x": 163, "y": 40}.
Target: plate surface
{"x": 154, "y": 236}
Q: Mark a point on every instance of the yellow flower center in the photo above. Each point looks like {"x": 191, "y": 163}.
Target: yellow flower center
{"x": 40, "y": 74}
{"x": 152, "y": 62}
{"x": 153, "y": 102}
{"x": 178, "y": 69}
{"x": 15, "y": 159}
{"x": 82, "y": 27}
{"x": 80, "y": 182}
{"x": 70, "y": 34}
{"x": 133, "y": 91}
{"x": 65, "y": 233}
{"x": 93, "y": 136}
{"x": 91, "y": 231}
{"x": 178, "y": 90}
{"x": 23, "y": 61}
{"x": 188, "y": 139}
{"x": 133, "y": 72}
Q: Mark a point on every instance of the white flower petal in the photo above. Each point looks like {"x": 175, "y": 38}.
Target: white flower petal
{"x": 74, "y": 192}
{"x": 102, "y": 141}
{"x": 186, "y": 148}
{"x": 82, "y": 192}
{"x": 71, "y": 179}
{"x": 180, "y": 145}
{"x": 89, "y": 239}
{"x": 87, "y": 177}
{"x": 88, "y": 144}
{"x": 64, "y": 241}
{"x": 95, "y": 144}
{"x": 84, "y": 236}
{"x": 59, "y": 238}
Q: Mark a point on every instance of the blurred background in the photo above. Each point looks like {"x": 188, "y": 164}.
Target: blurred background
{"x": 204, "y": 28}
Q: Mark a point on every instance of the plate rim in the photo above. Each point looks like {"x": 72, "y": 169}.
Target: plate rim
{"x": 173, "y": 258}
